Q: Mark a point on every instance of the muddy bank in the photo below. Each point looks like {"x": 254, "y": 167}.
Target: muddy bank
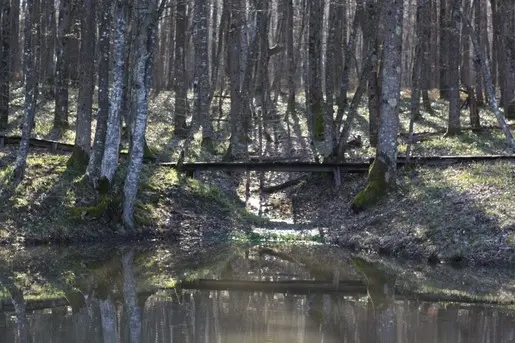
{"x": 461, "y": 214}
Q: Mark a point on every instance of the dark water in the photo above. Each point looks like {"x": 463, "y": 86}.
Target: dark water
{"x": 237, "y": 294}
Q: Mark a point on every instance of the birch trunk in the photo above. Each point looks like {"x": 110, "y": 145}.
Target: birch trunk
{"x": 61, "y": 67}
{"x": 148, "y": 17}
{"x": 114, "y": 120}
{"x": 5, "y": 39}
{"x": 97, "y": 153}
{"x": 383, "y": 170}
{"x": 31, "y": 51}
{"x": 81, "y": 151}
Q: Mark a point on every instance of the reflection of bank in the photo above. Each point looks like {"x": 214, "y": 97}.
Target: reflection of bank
{"x": 97, "y": 309}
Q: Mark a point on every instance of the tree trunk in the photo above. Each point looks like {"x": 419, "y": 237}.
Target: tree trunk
{"x": 114, "y": 121}
{"x": 383, "y": 170}
{"x": 330, "y": 77}
{"x": 315, "y": 96}
{"x": 238, "y": 145}
{"x": 480, "y": 27}
{"x": 61, "y": 67}
{"x": 104, "y": 44}
{"x": 15, "y": 65}
{"x": 453, "y": 71}
{"x": 203, "y": 80}
{"x": 444, "y": 49}
{"x": 47, "y": 67}
{"x": 508, "y": 33}
{"x": 180, "y": 85}
{"x": 487, "y": 78}
{"x": 5, "y": 39}
{"x": 148, "y": 15}
{"x": 81, "y": 151}
{"x": 31, "y": 51}
{"x": 130, "y": 297}
{"x": 291, "y": 58}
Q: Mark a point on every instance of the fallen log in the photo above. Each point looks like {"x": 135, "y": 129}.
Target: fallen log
{"x": 282, "y": 186}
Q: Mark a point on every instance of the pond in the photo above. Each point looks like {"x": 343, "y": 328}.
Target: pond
{"x": 238, "y": 293}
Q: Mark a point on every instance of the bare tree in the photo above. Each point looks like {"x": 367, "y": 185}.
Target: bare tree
{"x": 315, "y": 96}
{"x": 97, "y": 153}
{"x": 453, "y": 70}
{"x": 383, "y": 170}
{"x": 81, "y": 151}
{"x": 114, "y": 121}
{"x": 5, "y": 40}
{"x": 61, "y": 67}
{"x": 31, "y": 52}
{"x": 147, "y": 15}
{"x": 180, "y": 84}
{"x": 202, "y": 74}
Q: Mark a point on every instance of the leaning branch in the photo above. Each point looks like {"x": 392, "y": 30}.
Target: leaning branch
{"x": 487, "y": 77}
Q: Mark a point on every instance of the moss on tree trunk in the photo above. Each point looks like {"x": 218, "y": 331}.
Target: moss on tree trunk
{"x": 79, "y": 159}
{"x": 378, "y": 183}
{"x": 317, "y": 110}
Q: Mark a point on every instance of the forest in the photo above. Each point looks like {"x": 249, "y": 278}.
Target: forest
{"x": 104, "y": 103}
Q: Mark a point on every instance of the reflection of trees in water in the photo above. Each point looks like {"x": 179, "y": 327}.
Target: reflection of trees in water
{"x": 217, "y": 316}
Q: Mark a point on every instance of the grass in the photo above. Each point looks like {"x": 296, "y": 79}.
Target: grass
{"x": 55, "y": 203}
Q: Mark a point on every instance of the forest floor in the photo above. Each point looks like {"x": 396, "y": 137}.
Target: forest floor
{"x": 461, "y": 214}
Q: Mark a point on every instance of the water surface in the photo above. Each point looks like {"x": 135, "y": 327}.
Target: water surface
{"x": 242, "y": 294}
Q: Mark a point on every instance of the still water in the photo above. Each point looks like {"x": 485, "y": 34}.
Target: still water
{"x": 241, "y": 294}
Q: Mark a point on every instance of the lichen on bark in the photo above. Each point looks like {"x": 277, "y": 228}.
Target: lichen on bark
{"x": 378, "y": 183}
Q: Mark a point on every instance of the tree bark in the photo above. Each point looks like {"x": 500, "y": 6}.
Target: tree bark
{"x": 203, "y": 80}
{"x": 148, "y": 14}
{"x": 104, "y": 41}
{"x": 81, "y": 151}
{"x": 31, "y": 51}
{"x": 291, "y": 58}
{"x": 61, "y": 67}
{"x": 15, "y": 65}
{"x": 47, "y": 66}
{"x": 444, "y": 48}
{"x": 489, "y": 87}
{"x": 114, "y": 121}
{"x": 180, "y": 85}
{"x": 508, "y": 34}
{"x": 315, "y": 96}
{"x": 383, "y": 170}
{"x": 453, "y": 71}
{"x": 238, "y": 146}
{"x": 5, "y": 39}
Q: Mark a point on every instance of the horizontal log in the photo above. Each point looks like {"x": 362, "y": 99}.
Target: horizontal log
{"x": 290, "y": 286}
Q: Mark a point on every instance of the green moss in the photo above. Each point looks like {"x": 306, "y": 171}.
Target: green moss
{"x": 79, "y": 159}
{"x": 106, "y": 205}
{"x": 376, "y": 187}
{"x": 509, "y": 111}
{"x": 317, "y": 110}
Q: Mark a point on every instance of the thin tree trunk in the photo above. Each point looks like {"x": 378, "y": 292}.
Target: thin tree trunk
{"x": 384, "y": 168}
{"x": 238, "y": 146}
{"x": 104, "y": 41}
{"x": 453, "y": 36}
{"x": 203, "y": 90}
{"x": 487, "y": 78}
{"x": 31, "y": 51}
{"x": 130, "y": 296}
{"x": 114, "y": 121}
{"x": 15, "y": 65}
{"x": 315, "y": 96}
{"x": 81, "y": 151}
{"x": 508, "y": 33}
{"x": 180, "y": 85}
{"x": 330, "y": 78}
{"x": 5, "y": 39}
{"x": 444, "y": 48}
{"x": 291, "y": 59}
{"x": 47, "y": 66}
{"x": 61, "y": 67}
